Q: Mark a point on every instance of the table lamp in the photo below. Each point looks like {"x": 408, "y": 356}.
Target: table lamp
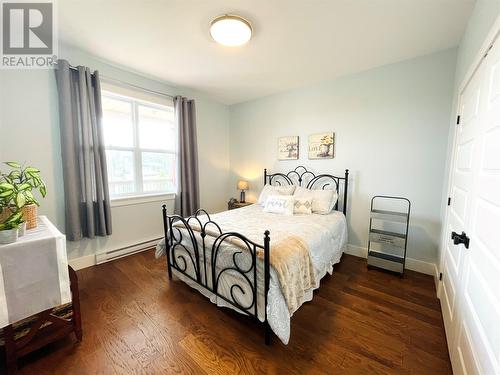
{"x": 242, "y": 185}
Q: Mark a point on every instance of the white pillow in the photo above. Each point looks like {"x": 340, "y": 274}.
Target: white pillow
{"x": 302, "y": 206}
{"x": 274, "y": 190}
{"x": 323, "y": 201}
{"x": 279, "y": 204}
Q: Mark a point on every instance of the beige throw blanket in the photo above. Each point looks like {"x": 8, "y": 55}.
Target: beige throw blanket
{"x": 289, "y": 254}
{"x": 292, "y": 261}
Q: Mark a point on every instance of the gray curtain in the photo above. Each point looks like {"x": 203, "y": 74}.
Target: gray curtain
{"x": 188, "y": 197}
{"x": 86, "y": 191}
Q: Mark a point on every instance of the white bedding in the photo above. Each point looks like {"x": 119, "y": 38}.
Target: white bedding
{"x": 325, "y": 235}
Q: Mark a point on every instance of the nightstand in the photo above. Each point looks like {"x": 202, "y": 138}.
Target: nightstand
{"x": 232, "y": 206}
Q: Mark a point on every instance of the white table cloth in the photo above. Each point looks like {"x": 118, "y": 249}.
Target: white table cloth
{"x": 33, "y": 273}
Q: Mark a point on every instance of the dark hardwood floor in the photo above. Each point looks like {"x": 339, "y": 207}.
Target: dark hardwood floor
{"x": 359, "y": 322}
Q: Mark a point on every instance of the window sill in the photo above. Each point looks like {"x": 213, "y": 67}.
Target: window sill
{"x": 141, "y": 199}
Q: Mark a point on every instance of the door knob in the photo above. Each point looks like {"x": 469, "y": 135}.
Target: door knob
{"x": 460, "y": 238}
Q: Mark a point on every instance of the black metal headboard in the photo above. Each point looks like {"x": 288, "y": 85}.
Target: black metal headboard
{"x": 300, "y": 176}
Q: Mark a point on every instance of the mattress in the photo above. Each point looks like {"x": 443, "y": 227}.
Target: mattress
{"x": 325, "y": 236}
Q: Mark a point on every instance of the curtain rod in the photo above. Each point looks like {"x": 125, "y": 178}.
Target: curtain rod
{"x": 131, "y": 85}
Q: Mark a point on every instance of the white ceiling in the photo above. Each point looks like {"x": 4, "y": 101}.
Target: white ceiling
{"x": 295, "y": 42}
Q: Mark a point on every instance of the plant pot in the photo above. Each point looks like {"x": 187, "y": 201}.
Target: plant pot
{"x": 30, "y": 213}
{"x": 7, "y": 211}
{"x": 8, "y": 236}
{"x": 22, "y": 229}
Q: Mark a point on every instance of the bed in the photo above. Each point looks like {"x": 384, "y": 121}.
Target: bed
{"x": 260, "y": 264}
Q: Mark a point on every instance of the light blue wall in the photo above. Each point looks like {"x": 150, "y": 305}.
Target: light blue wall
{"x": 391, "y": 127}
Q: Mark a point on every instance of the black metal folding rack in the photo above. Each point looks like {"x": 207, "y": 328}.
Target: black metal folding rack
{"x": 390, "y": 251}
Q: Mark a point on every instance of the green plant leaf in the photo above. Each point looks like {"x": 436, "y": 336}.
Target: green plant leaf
{"x": 14, "y": 217}
{"x": 13, "y": 164}
{"x": 16, "y": 186}
{"x": 20, "y": 200}
{"x": 7, "y": 226}
{"x": 6, "y": 186}
{"x": 33, "y": 175}
{"x": 23, "y": 186}
{"x": 34, "y": 180}
{"x": 6, "y": 194}
{"x": 14, "y": 174}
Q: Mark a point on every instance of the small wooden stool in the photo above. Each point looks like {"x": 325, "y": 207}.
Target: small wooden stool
{"x": 30, "y": 334}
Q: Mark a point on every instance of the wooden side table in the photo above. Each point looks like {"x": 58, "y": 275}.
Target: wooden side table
{"x": 232, "y": 206}
{"x": 41, "y": 329}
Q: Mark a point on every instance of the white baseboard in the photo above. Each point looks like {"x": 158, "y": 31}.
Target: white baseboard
{"x": 94, "y": 259}
{"x": 82, "y": 262}
{"x": 111, "y": 255}
{"x": 420, "y": 266}
{"x": 411, "y": 264}
{"x": 357, "y": 251}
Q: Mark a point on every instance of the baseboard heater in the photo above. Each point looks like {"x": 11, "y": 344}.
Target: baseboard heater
{"x": 125, "y": 251}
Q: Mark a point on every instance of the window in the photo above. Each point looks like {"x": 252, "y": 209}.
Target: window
{"x": 141, "y": 145}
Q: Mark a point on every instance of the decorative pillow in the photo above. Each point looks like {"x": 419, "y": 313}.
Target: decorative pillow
{"x": 274, "y": 190}
{"x": 279, "y": 204}
{"x": 323, "y": 201}
{"x": 302, "y": 206}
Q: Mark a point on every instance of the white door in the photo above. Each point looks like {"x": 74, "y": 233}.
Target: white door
{"x": 470, "y": 294}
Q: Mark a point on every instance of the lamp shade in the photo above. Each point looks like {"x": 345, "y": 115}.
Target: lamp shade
{"x": 242, "y": 185}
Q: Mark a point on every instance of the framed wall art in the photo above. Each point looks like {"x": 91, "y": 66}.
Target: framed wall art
{"x": 288, "y": 148}
{"x": 322, "y": 146}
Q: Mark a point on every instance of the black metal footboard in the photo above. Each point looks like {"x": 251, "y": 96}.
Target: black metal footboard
{"x": 192, "y": 263}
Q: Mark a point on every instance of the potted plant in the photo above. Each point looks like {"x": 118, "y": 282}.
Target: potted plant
{"x": 16, "y": 192}
{"x": 9, "y": 229}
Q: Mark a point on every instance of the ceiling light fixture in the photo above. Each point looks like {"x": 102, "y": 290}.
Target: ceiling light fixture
{"x": 230, "y": 30}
